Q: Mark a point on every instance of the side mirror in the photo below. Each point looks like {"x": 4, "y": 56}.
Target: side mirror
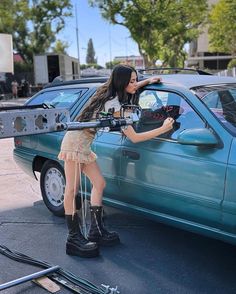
{"x": 198, "y": 137}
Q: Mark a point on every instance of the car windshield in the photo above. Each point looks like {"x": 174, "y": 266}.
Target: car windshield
{"x": 221, "y": 100}
{"x": 59, "y": 98}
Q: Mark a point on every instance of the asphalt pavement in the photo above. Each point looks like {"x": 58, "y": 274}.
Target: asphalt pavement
{"x": 152, "y": 258}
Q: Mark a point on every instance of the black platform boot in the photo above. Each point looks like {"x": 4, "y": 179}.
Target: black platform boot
{"x": 97, "y": 232}
{"x": 76, "y": 243}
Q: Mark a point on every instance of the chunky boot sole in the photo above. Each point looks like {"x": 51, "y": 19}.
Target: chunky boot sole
{"x": 71, "y": 249}
{"x": 104, "y": 242}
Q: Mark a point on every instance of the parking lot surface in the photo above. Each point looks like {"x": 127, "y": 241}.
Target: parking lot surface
{"x": 152, "y": 258}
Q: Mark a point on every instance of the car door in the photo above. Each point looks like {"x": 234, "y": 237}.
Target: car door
{"x": 229, "y": 203}
{"x": 166, "y": 179}
{"x": 107, "y": 147}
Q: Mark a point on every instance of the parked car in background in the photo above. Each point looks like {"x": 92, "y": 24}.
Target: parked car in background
{"x": 184, "y": 178}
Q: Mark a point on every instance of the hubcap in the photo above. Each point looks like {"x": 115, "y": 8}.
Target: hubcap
{"x": 54, "y": 184}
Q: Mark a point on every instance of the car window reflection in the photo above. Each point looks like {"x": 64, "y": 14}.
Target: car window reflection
{"x": 158, "y": 105}
{"x": 223, "y": 104}
{"x": 59, "y": 98}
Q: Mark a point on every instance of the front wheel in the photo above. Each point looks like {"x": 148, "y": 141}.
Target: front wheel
{"x": 52, "y": 184}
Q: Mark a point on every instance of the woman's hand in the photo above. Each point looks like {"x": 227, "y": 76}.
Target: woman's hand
{"x": 150, "y": 80}
{"x": 153, "y": 80}
{"x": 168, "y": 124}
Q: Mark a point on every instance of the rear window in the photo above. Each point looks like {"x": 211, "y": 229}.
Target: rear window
{"x": 59, "y": 98}
{"x": 221, "y": 100}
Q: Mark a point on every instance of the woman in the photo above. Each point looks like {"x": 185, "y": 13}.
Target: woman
{"x": 121, "y": 88}
{"x": 14, "y": 88}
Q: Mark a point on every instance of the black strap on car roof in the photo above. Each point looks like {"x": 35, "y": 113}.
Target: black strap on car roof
{"x": 173, "y": 70}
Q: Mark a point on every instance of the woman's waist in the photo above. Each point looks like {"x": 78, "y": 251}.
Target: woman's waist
{"x": 87, "y": 134}
{"x": 78, "y": 137}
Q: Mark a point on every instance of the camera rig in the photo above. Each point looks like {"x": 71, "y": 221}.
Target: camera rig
{"x": 37, "y": 119}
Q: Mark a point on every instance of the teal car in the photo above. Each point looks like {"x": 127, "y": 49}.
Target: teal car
{"x": 185, "y": 178}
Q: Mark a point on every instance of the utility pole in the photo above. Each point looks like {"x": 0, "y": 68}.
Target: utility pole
{"x": 110, "y": 47}
{"x": 77, "y": 38}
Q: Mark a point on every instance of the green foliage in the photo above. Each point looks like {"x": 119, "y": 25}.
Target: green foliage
{"x": 83, "y": 66}
{"x": 94, "y": 65}
{"x": 160, "y": 28}
{"x": 91, "y": 65}
{"x": 232, "y": 64}
{"x": 23, "y": 71}
{"x": 33, "y": 24}
{"x": 111, "y": 64}
{"x": 90, "y": 58}
{"x": 60, "y": 47}
{"x": 20, "y": 67}
{"x": 222, "y": 29}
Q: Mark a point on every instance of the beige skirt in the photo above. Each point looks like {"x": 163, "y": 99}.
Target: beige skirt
{"x": 76, "y": 146}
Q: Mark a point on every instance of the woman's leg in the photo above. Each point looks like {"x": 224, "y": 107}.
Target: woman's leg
{"x": 97, "y": 232}
{"x": 72, "y": 173}
{"x": 93, "y": 172}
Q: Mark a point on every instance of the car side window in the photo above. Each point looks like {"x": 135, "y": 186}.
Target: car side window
{"x": 158, "y": 105}
{"x": 223, "y": 104}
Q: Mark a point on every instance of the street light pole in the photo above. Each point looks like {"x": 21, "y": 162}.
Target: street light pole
{"x": 77, "y": 39}
{"x": 110, "y": 47}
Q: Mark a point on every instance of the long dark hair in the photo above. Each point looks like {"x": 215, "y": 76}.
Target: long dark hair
{"x": 115, "y": 86}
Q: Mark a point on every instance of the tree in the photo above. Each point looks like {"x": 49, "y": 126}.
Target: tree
{"x": 160, "y": 28}
{"x": 60, "y": 47}
{"x": 90, "y": 58}
{"x": 33, "y": 24}
{"x": 13, "y": 20}
{"x": 231, "y": 64}
{"x": 222, "y": 29}
{"x": 111, "y": 64}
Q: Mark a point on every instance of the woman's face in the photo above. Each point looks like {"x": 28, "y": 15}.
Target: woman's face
{"x": 132, "y": 86}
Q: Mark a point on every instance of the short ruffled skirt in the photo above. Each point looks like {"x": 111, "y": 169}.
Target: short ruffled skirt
{"x": 76, "y": 146}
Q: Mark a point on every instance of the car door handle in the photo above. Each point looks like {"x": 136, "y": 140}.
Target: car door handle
{"x": 131, "y": 154}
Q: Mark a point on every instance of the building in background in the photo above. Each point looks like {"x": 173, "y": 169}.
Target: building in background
{"x": 18, "y": 58}
{"x": 135, "y": 61}
{"x": 199, "y": 55}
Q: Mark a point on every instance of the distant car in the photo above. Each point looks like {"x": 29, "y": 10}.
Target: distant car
{"x": 184, "y": 178}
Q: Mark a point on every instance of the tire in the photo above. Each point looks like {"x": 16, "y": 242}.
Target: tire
{"x": 52, "y": 184}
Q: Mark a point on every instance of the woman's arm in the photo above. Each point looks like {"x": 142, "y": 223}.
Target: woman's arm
{"x": 148, "y": 81}
{"x": 144, "y": 136}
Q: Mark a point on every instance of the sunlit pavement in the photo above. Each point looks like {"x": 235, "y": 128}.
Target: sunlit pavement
{"x": 12, "y": 102}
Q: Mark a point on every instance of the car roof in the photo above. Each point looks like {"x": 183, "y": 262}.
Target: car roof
{"x": 185, "y": 80}
{"x": 94, "y": 81}
{"x": 193, "y": 80}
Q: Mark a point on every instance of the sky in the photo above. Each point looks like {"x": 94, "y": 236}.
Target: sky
{"x": 108, "y": 40}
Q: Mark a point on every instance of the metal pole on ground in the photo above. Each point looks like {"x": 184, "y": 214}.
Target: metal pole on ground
{"x": 29, "y": 277}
